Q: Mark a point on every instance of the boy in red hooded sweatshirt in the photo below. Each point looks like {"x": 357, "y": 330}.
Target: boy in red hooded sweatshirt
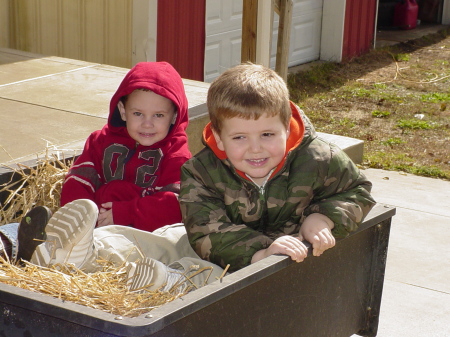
{"x": 131, "y": 168}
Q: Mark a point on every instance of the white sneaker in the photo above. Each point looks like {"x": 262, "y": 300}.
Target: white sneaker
{"x": 69, "y": 235}
{"x": 149, "y": 274}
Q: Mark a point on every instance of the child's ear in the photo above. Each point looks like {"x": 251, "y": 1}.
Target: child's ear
{"x": 218, "y": 140}
{"x": 121, "y": 108}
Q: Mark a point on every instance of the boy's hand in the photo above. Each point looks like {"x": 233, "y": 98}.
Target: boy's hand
{"x": 286, "y": 245}
{"x": 105, "y": 215}
{"x": 316, "y": 229}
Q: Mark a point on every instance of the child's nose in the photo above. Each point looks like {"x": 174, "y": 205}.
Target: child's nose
{"x": 148, "y": 122}
{"x": 255, "y": 146}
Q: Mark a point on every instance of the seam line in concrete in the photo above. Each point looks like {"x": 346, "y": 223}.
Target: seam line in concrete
{"x": 426, "y": 288}
{"x": 56, "y": 109}
{"x": 413, "y": 209}
{"x": 45, "y": 76}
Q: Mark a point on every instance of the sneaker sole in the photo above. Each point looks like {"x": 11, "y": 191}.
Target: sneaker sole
{"x": 143, "y": 274}
{"x": 151, "y": 275}
{"x": 69, "y": 235}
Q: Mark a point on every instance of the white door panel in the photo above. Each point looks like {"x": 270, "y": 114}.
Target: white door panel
{"x": 223, "y": 16}
{"x": 305, "y": 39}
{"x": 224, "y": 33}
{"x": 222, "y": 51}
{"x": 303, "y": 6}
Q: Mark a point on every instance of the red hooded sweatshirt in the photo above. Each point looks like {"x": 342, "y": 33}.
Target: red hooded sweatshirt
{"x": 142, "y": 181}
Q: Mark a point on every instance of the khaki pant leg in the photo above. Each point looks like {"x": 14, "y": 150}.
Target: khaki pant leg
{"x": 121, "y": 243}
{"x": 169, "y": 245}
{"x": 199, "y": 272}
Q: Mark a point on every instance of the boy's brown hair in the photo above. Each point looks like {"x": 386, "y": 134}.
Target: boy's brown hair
{"x": 248, "y": 91}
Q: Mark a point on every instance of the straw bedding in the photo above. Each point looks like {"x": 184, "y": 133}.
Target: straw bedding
{"x": 104, "y": 290}
{"x": 36, "y": 186}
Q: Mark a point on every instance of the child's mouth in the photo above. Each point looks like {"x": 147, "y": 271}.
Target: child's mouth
{"x": 147, "y": 135}
{"x": 257, "y": 162}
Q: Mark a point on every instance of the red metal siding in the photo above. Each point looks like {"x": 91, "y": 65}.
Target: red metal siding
{"x": 359, "y": 27}
{"x": 181, "y": 36}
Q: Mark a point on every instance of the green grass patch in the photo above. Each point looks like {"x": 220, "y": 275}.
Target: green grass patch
{"x": 380, "y": 86}
{"x": 391, "y": 142}
{"x": 347, "y": 122}
{"x": 435, "y": 97}
{"x": 391, "y": 97}
{"x": 403, "y": 163}
{"x": 321, "y": 72}
{"x": 380, "y": 113}
{"x": 442, "y": 63}
{"x": 383, "y": 159}
{"x": 362, "y": 92}
{"x": 376, "y": 94}
{"x": 402, "y": 57}
{"x": 428, "y": 171}
{"x": 320, "y": 77}
{"x": 414, "y": 124}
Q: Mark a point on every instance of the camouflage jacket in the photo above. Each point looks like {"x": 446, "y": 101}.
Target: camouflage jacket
{"x": 228, "y": 218}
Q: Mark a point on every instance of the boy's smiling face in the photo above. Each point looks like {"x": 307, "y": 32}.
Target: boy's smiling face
{"x": 254, "y": 147}
{"x": 148, "y": 116}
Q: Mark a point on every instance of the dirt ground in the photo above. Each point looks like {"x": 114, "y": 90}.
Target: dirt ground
{"x": 396, "y": 99}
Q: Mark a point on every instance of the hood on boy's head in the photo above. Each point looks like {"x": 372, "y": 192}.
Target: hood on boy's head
{"x": 159, "y": 77}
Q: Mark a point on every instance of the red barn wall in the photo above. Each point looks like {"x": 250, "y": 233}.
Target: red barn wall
{"x": 181, "y": 36}
{"x": 359, "y": 27}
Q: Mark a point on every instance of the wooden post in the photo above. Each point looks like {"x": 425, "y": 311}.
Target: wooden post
{"x": 250, "y": 33}
{"x": 284, "y": 33}
{"x": 264, "y": 32}
{"x": 144, "y": 31}
{"x": 249, "y": 30}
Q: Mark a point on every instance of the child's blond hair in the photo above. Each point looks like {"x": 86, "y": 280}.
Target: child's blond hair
{"x": 248, "y": 91}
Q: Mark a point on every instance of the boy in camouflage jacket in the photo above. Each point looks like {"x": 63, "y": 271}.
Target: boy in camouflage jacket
{"x": 265, "y": 181}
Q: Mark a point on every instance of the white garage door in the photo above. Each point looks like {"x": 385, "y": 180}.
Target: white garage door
{"x": 224, "y": 32}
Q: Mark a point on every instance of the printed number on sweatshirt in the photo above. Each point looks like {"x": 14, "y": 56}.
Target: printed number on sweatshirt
{"x": 117, "y": 155}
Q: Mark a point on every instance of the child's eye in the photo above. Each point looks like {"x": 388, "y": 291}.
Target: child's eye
{"x": 238, "y": 137}
{"x": 159, "y": 115}
{"x": 137, "y": 113}
{"x": 268, "y": 134}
